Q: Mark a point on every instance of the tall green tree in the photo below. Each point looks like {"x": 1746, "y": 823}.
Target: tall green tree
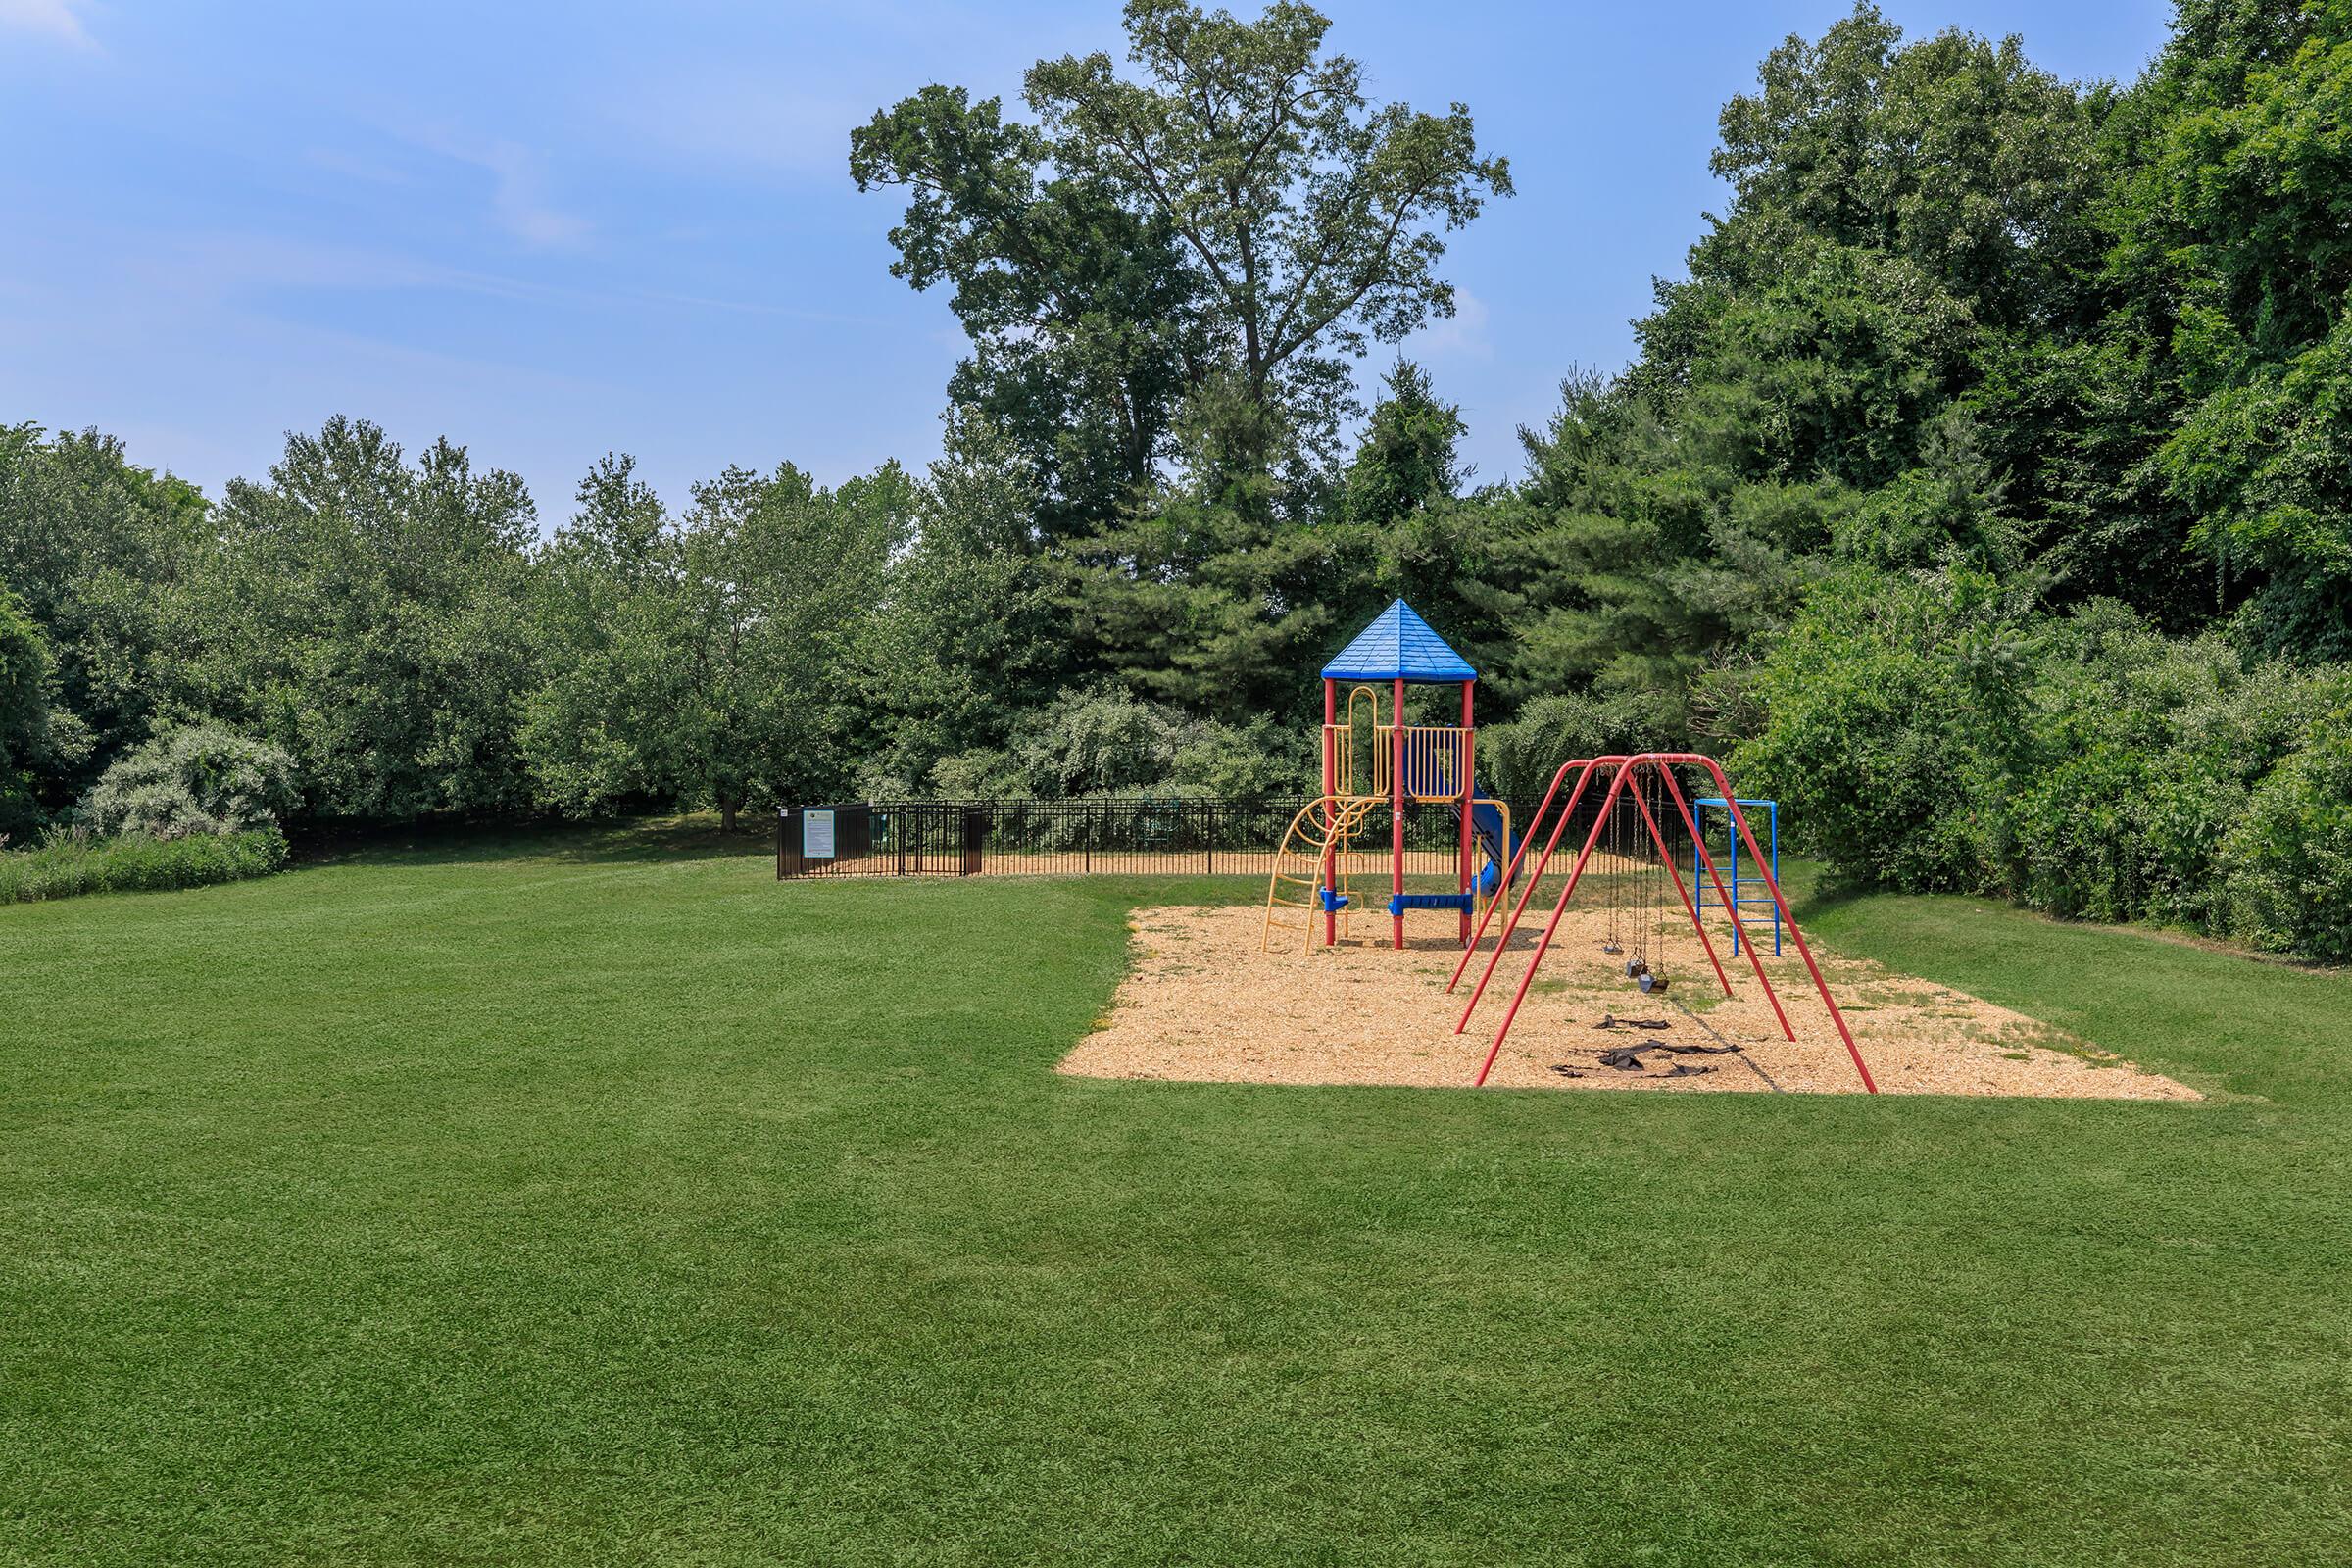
{"x": 25, "y": 742}
{"x": 1409, "y": 458}
{"x": 2232, "y": 227}
{"x": 1078, "y": 306}
{"x": 718, "y": 659}
{"x": 1956, "y": 154}
{"x": 103, "y": 555}
{"x": 1245, "y": 184}
{"x": 365, "y": 614}
{"x": 969, "y": 635}
{"x": 1901, "y": 214}
{"x": 601, "y": 730}
{"x": 779, "y": 577}
{"x": 1312, "y": 218}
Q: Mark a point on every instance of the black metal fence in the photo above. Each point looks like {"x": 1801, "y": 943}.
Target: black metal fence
{"x": 1138, "y": 835}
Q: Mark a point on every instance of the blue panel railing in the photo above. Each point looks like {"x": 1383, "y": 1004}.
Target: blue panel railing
{"x": 1756, "y": 895}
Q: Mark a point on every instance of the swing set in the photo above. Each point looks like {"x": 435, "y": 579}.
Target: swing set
{"x": 1625, "y": 828}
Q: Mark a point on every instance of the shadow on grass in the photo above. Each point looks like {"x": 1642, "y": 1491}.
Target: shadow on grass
{"x": 695, "y": 836}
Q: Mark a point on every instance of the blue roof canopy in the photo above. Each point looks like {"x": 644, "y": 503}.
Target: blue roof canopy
{"x": 1398, "y": 646}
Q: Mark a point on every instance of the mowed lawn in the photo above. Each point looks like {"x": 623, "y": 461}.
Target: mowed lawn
{"x": 600, "y": 1200}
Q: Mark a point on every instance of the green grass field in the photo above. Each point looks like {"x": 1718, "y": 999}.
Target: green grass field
{"x": 600, "y": 1200}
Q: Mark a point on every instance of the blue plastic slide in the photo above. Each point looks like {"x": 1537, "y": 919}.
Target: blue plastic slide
{"x": 1485, "y": 822}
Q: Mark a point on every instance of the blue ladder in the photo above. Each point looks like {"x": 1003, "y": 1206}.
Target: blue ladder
{"x": 1740, "y": 901}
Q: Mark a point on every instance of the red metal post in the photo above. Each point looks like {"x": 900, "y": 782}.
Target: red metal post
{"x": 1780, "y": 906}
{"x": 1330, "y": 917}
{"x": 1470, "y": 805}
{"x": 1396, "y": 806}
{"x": 1544, "y": 943}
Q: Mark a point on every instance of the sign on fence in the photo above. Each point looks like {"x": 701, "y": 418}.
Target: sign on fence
{"x": 817, "y": 835}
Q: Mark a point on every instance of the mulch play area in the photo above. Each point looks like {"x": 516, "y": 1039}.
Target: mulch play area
{"x": 1203, "y": 1002}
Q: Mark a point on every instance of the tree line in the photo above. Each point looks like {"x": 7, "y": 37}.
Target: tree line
{"x": 1996, "y": 423}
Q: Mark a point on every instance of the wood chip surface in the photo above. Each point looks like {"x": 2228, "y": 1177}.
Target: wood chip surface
{"x": 1202, "y": 1003}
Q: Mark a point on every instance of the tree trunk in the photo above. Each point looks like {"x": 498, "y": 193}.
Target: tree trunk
{"x": 726, "y": 815}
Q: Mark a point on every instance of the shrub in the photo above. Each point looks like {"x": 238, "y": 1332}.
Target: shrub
{"x": 1517, "y": 760}
{"x": 1092, "y": 741}
{"x": 2288, "y": 865}
{"x": 2078, "y": 836}
{"x": 1104, "y": 741}
{"x": 980, "y": 774}
{"x": 198, "y": 779}
{"x": 1241, "y": 761}
{"x": 1922, "y": 734}
{"x": 70, "y": 864}
{"x": 1892, "y": 721}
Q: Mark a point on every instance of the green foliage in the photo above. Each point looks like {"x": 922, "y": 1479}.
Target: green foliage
{"x": 363, "y": 617}
{"x": 1955, "y": 155}
{"x": 1103, "y": 740}
{"x": 200, "y": 778}
{"x": 777, "y": 573}
{"x": 1406, "y": 462}
{"x": 1079, "y": 307}
{"x": 112, "y": 562}
{"x": 1891, "y": 717}
{"x": 1215, "y": 241}
{"x": 599, "y": 730}
{"x": 2230, "y": 216}
{"x": 708, "y": 663}
{"x": 1202, "y": 605}
{"x": 67, "y": 865}
{"x": 2288, "y": 860}
{"x": 1094, "y": 741}
{"x": 968, "y": 635}
{"x": 1518, "y": 759}
{"x": 24, "y": 717}
{"x": 1929, "y": 733}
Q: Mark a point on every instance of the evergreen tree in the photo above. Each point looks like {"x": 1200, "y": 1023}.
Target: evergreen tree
{"x": 1407, "y": 460}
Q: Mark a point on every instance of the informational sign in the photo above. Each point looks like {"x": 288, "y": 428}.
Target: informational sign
{"x": 817, "y": 835}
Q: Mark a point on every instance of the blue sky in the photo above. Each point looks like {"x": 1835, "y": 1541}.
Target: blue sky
{"x": 552, "y": 230}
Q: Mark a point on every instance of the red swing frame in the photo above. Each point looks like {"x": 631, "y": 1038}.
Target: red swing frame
{"x": 1627, "y": 766}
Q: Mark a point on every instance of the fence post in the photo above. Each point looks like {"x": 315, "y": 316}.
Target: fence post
{"x": 1209, "y": 812}
{"x": 789, "y": 859}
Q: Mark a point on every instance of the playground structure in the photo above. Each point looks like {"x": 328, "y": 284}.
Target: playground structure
{"x": 1324, "y": 853}
{"x": 1322, "y": 857}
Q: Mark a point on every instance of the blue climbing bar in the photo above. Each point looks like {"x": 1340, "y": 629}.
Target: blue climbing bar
{"x": 1761, "y": 897}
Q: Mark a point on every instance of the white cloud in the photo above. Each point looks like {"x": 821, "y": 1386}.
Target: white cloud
{"x": 1462, "y": 335}
{"x": 57, "y": 18}
{"x": 522, "y": 209}
{"x": 517, "y": 195}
